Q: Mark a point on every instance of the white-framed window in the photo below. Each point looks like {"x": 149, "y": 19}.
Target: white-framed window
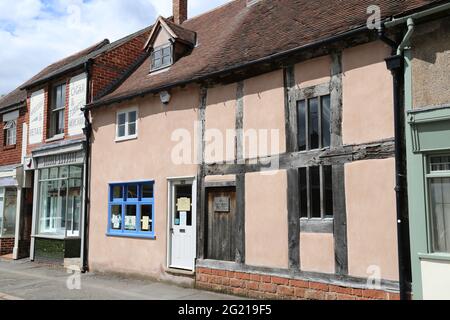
{"x": 438, "y": 177}
{"x": 127, "y": 124}
{"x": 10, "y": 133}
{"x": 162, "y": 57}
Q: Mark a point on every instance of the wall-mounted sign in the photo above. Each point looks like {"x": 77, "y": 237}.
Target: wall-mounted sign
{"x": 222, "y": 204}
{"x": 36, "y": 130}
{"x": 77, "y": 101}
{"x": 184, "y": 204}
{"x": 61, "y": 160}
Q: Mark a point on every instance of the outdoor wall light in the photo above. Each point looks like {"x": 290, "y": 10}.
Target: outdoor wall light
{"x": 165, "y": 97}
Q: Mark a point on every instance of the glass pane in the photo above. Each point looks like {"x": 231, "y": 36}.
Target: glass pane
{"x": 44, "y": 174}
{"x": 440, "y": 214}
{"x": 313, "y": 123}
{"x": 132, "y": 191}
{"x": 54, "y": 173}
{"x": 146, "y": 218}
{"x": 8, "y": 227}
{"x": 301, "y": 124}
{"x": 60, "y": 122}
{"x": 121, "y": 119}
{"x": 121, "y": 131}
{"x": 314, "y": 180}
{"x": 117, "y": 192}
{"x": 132, "y": 116}
{"x": 147, "y": 190}
{"x": 130, "y": 218}
{"x": 64, "y": 172}
{"x": 76, "y": 172}
{"x": 440, "y": 164}
{"x": 166, "y": 51}
{"x": 326, "y": 121}
{"x": 303, "y": 188}
{"x": 328, "y": 190}
{"x": 52, "y": 210}
{"x": 166, "y": 61}
{"x": 116, "y": 217}
{"x": 158, "y": 54}
{"x": 74, "y": 208}
{"x": 132, "y": 129}
{"x": 157, "y": 63}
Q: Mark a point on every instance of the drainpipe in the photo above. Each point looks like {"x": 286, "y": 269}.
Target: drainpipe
{"x": 395, "y": 65}
{"x": 87, "y": 149}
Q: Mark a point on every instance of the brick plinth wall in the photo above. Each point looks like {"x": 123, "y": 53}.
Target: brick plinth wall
{"x": 6, "y": 246}
{"x": 259, "y": 286}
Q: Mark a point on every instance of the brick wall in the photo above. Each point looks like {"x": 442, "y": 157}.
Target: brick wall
{"x": 110, "y": 66}
{"x": 259, "y": 286}
{"x": 6, "y": 246}
{"x": 13, "y": 154}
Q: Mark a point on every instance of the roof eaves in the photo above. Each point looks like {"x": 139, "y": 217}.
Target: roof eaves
{"x": 277, "y": 55}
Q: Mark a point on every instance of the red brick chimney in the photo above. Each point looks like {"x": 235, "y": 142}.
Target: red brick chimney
{"x": 180, "y": 11}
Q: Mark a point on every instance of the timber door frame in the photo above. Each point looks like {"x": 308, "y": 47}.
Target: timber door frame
{"x": 170, "y": 183}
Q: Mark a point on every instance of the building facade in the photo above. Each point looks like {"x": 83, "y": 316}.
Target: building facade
{"x": 13, "y": 185}
{"x": 427, "y": 123}
{"x": 267, "y": 171}
{"x": 57, "y": 153}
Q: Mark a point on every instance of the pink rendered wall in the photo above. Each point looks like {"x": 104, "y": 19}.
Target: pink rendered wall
{"x": 266, "y": 225}
{"x": 371, "y": 217}
{"x": 146, "y": 158}
{"x": 367, "y": 94}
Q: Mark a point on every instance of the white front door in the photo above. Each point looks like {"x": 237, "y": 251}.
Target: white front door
{"x": 182, "y": 233}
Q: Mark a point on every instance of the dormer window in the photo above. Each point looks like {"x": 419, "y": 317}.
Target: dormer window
{"x": 162, "y": 57}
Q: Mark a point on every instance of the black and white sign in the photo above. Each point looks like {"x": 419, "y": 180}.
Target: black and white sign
{"x": 77, "y": 101}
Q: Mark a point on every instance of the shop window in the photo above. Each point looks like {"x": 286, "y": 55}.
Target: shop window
{"x": 439, "y": 203}
{"x": 8, "y": 200}
{"x": 58, "y": 106}
{"x": 127, "y": 125}
{"x": 60, "y": 201}
{"x": 131, "y": 209}
{"x": 316, "y": 192}
{"x": 10, "y": 133}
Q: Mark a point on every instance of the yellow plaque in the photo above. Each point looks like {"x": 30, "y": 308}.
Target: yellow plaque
{"x": 184, "y": 204}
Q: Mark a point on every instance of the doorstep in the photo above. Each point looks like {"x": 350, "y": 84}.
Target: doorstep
{"x": 180, "y": 272}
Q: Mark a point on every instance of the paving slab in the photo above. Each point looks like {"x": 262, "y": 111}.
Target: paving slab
{"x": 26, "y": 280}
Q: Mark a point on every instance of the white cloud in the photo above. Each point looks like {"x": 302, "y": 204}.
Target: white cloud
{"x": 35, "y": 33}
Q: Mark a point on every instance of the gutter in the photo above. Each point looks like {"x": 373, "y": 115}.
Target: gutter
{"x": 266, "y": 59}
{"x": 396, "y": 65}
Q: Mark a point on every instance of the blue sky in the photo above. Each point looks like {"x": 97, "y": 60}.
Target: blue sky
{"x": 35, "y": 33}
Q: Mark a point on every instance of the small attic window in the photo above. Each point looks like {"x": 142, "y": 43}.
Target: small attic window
{"x": 162, "y": 57}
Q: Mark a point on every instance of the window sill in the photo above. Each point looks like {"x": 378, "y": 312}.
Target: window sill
{"x": 434, "y": 256}
{"x": 317, "y": 225}
{"x": 126, "y": 139}
{"x": 11, "y": 147}
{"x": 56, "y": 138}
{"x": 132, "y": 236}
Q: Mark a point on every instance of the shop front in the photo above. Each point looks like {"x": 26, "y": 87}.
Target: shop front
{"x": 10, "y": 193}
{"x": 58, "y": 209}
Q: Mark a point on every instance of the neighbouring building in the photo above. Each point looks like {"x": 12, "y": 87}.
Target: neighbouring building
{"x": 427, "y": 123}
{"x": 253, "y": 152}
{"x": 56, "y": 160}
{"x": 14, "y": 189}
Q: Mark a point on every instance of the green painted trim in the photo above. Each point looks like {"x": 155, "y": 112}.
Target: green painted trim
{"x": 416, "y": 188}
{"x": 434, "y": 256}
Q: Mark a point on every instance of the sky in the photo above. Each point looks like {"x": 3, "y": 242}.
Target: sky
{"x": 36, "y": 33}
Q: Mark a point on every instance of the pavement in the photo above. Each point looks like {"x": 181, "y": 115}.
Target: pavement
{"x": 25, "y": 280}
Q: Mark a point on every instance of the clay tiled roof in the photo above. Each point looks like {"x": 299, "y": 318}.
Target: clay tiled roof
{"x": 79, "y": 59}
{"x": 13, "y": 98}
{"x": 235, "y": 35}
{"x": 182, "y": 33}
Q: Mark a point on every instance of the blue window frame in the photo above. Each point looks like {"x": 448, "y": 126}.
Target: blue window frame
{"x": 131, "y": 209}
